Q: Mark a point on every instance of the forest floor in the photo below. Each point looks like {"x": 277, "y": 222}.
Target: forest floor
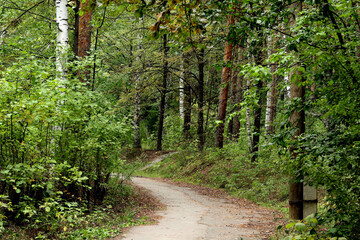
{"x": 191, "y": 212}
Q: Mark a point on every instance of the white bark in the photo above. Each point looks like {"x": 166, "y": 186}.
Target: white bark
{"x": 62, "y": 38}
{"x": 181, "y": 91}
{"x": 287, "y": 83}
{"x": 268, "y": 109}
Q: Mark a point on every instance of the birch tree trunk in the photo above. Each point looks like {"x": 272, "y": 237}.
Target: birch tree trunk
{"x": 268, "y": 108}
{"x": 62, "y": 38}
{"x": 224, "y": 88}
{"x": 181, "y": 90}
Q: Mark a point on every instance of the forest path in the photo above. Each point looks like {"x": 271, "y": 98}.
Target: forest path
{"x": 190, "y": 215}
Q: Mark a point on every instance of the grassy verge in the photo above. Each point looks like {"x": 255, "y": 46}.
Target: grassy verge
{"x": 263, "y": 182}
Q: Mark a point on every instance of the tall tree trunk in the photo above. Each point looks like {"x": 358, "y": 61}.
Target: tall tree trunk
{"x": 273, "y": 103}
{"x": 62, "y": 38}
{"x": 224, "y": 88}
{"x": 235, "y": 99}
{"x": 137, "y": 104}
{"x": 238, "y": 96}
{"x": 76, "y": 28}
{"x": 302, "y": 199}
{"x": 268, "y": 108}
{"x": 181, "y": 89}
{"x": 163, "y": 94}
{"x": 187, "y": 98}
{"x": 297, "y": 119}
{"x": 200, "y": 127}
{"x": 257, "y": 121}
{"x": 248, "y": 121}
{"x": 84, "y": 37}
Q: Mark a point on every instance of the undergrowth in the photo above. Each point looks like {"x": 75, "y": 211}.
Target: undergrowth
{"x": 119, "y": 210}
{"x": 230, "y": 168}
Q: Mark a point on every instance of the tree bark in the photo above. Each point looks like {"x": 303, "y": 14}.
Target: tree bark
{"x": 181, "y": 90}
{"x": 200, "y": 127}
{"x": 257, "y": 121}
{"x": 297, "y": 119}
{"x": 76, "y": 28}
{"x": 224, "y": 88}
{"x": 84, "y": 37}
{"x": 238, "y": 96}
{"x": 187, "y": 98}
{"x": 163, "y": 94}
{"x": 273, "y": 103}
{"x": 62, "y": 38}
{"x": 248, "y": 121}
{"x": 137, "y": 104}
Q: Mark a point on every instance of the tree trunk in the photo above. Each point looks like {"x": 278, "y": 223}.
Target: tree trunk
{"x": 181, "y": 90}
{"x": 273, "y": 103}
{"x": 76, "y": 28}
{"x": 200, "y": 127}
{"x": 224, "y": 88}
{"x": 235, "y": 99}
{"x": 62, "y": 38}
{"x": 84, "y": 38}
{"x": 137, "y": 106}
{"x": 238, "y": 96}
{"x": 248, "y": 121}
{"x": 163, "y": 95}
{"x": 302, "y": 199}
{"x": 187, "y": 98}
{"x": 257, "y": 121}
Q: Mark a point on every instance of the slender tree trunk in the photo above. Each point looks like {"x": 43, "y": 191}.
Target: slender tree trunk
{"x": 187, "y": 98}
{"x": 181, "y": 90}
{"x": 137, "y": 105}
{"x": 224, "y": 88}
{"x": 200, "y": 127}
{"x": 76, "y": 28}
{"x": 163, "y": 95}
{"x": 273, "y": 103}
{"x": 238, "y": 96}
{"x": 84, "y": 37}
{"x": 248, "y": 121}
{"x": 62, "y": 38}
{"x": 257, "y": 121}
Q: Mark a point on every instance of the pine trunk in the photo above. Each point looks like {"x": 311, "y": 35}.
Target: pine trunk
{"x": 84, "y": 38}
{"x": 224, "y": 89}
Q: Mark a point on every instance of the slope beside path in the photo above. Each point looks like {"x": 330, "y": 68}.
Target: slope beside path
{"x": 190, "y": 215}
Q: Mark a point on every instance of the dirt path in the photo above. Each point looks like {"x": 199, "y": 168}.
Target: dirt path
{"x": 193, "y": 216}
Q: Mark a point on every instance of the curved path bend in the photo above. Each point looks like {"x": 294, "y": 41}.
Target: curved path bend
{"x": 192, "y": 216}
